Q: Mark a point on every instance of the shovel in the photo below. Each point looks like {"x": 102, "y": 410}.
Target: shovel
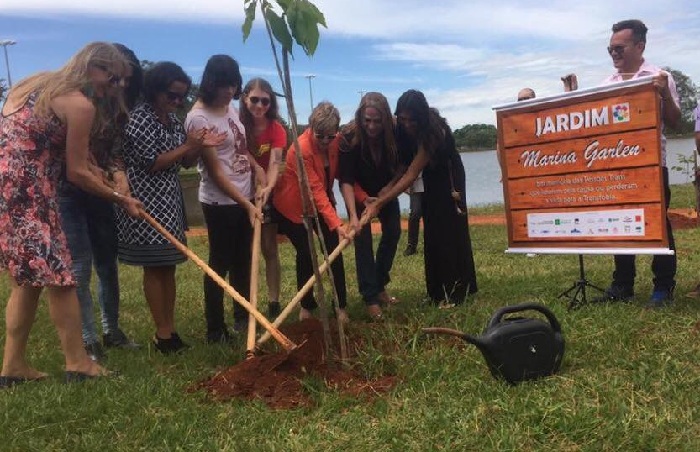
{"x": 284, "y": 341}
{"x": 254, "y": 271}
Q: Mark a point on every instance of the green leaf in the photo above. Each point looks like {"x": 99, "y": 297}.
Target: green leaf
{"x": 284, "y": 4}
{"x": 279, "y": 29}
{"x": 311, "y": 9}
{"x": 249, "y": 18}
{"x": 312, "y": 36}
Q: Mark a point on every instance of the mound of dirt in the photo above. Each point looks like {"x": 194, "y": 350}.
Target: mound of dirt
{"x": 683, "y": 220}
{"x": 277, "y": 379}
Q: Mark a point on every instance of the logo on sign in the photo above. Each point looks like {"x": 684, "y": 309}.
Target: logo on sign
{"x": 621, "y": 113}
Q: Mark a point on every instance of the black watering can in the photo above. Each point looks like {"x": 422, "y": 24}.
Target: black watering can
{"x": 517, "y": 348}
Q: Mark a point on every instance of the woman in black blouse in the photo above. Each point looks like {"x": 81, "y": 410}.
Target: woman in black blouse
{"x": 368, "y": 165}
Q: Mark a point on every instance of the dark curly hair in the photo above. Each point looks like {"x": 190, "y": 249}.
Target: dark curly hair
{"x": 159, "y": 78}
{"x": 221, "y": 71}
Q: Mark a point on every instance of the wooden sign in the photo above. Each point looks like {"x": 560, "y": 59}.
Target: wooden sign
{"x": 582, "y": 171}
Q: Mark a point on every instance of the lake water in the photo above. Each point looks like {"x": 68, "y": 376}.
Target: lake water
{"x": 484, "y": 174}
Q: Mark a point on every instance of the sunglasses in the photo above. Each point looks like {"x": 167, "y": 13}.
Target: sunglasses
{"x": 520, "y": 99}
{"x": 265, "y": 101}
{"x": 173, "y": 96}
{"x": 320, "y": 136}
{"x": 111, "y": 78}
{"x": 616, "y": 49}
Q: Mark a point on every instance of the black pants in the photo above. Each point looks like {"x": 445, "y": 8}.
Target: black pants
{"x": 414, "y": 216}
{"x": 230, "y": 240}
{"x": 663, "y": 266}
{"x": 296, "y": 233}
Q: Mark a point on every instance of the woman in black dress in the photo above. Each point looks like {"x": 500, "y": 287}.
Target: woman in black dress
{"x": 426, "y": 144}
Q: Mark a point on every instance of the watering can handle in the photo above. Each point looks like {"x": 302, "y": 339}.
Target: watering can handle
{"x": 496, "y": 319}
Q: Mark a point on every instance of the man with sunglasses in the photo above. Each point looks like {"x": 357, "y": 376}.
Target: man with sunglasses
{"x": 627, "y": 45}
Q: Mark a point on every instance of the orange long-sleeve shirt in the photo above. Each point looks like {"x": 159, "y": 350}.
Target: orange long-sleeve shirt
{"x": 287, "y": 197}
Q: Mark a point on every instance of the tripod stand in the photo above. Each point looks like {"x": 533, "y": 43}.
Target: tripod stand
{"x": 577, "y": 292}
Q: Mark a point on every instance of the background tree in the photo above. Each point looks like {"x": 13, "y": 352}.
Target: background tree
{"x": 475, "y": 137}
{"x": 688, "y": 92}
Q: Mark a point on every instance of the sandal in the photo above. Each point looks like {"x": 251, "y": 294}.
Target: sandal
{"x": 385, "y": 298}
{"x": 375, "y": 312}
{"x": 8, "y": 381}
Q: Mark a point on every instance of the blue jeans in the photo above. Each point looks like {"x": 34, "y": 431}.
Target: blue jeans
{"x": 88, "y": 222}
{"x": 373, "y": 271}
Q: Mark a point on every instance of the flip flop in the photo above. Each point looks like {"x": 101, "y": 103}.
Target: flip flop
{"x": 8, "y": 381}
{"x": 386, "y": 299}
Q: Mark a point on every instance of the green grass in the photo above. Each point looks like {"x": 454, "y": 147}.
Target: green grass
{"x": 629, "y": 380}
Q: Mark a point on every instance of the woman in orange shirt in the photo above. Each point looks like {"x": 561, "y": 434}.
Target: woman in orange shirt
{"x": 319, "y": 150}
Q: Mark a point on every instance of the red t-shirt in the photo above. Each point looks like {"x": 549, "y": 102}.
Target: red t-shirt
{"x": 273, "y": 137}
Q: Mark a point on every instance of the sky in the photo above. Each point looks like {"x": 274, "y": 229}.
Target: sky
{"x": 466, "y": 56}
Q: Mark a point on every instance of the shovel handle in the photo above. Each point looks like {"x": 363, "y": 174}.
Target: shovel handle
{"x": 309, "y": 284}
{"x": 254, "y": 272}
{"x": 279, "y": 337}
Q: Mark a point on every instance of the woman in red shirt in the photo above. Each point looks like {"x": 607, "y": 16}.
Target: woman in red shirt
{"x": 266, "y": 139}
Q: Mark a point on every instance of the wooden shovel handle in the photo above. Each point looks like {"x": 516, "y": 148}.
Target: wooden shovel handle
{"x": 279, "y": 337}
{"x": 254, "y": 272}
{"x": 309, "y": 284}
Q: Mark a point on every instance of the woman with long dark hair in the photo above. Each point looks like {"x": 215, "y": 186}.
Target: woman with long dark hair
{"x": 266, "y": 140}
{"x": 426, "y": 144}
{"x": 368, "y": 166}
{"x": 225, "y": 192}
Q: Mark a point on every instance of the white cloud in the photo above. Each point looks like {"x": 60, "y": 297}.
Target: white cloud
{"x": 479, "y": 52}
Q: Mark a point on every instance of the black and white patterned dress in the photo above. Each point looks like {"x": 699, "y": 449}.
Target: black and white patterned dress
{"x": 145, "y": 138}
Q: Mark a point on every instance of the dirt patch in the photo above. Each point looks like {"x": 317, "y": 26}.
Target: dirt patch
{"x": 683, "y": 218}
{"x": 280, "y": 379}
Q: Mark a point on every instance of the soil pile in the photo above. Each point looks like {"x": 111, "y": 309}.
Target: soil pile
{"x": 278, "y": 379}
{"x": 683, "y": 220}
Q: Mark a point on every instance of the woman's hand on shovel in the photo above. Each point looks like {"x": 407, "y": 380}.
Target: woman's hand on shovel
{"x": 254, "y": 213}
{"x": 131, "y": 205}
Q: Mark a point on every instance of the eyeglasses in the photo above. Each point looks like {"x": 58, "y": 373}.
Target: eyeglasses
{"x": 321, "y": 136}
{"x": 111, "y": 78}
{"x": 173, "y": 96}
{"x": 522, "y": 98}
{"x": 265, "y": 101}
{"x": 616, "y": 49}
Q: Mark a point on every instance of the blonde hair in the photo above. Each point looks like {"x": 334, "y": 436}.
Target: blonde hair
{"x": 325, "y": 117}
{"x": 74, "y": 76}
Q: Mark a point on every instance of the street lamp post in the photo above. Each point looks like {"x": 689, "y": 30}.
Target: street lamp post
{"x": 4, "y": 43}
{"x": 311, "y": 91}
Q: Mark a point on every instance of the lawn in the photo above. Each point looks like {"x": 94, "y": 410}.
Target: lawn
{"x": 629, "y": 379}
